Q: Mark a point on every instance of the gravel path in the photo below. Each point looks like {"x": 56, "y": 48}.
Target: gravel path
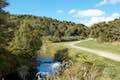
{"x": 109, "y": 55}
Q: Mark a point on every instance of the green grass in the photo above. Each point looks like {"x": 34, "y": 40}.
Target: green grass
{"x": 111, "y": 70}
{"x": 101, "y": 46}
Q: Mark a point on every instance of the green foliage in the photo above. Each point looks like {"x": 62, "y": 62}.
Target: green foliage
{"x": 27, "y": 40}
{"x": 62, "y": 55}
{"x": 106, "y": 31}
{"x": 3, "y": 22}
{"x": 56, "y": 30}
{"x": 8, "y": 63}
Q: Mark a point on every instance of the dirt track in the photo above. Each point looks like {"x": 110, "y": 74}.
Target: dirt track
{"x": 109, "y": 55}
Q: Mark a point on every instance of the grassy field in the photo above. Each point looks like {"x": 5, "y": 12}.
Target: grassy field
{"x": 101, "y": 46}
{"x": 110, "y": 72}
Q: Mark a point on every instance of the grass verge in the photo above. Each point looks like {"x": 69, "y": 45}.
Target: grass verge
{"x": 101, "y": 46}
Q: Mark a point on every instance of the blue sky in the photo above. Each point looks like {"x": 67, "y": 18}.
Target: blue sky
{"x": 79, "y": 11}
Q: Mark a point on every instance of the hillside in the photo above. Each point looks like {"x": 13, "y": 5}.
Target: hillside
{"x": 55, "y": 29}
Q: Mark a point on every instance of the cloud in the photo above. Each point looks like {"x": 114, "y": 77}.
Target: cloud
{"x": 93, "y": 20}
{"x": 86, "y": 13}
{"x": 72, "y": 11}
{"x": 91, "y": 16}
{"x": 109, "y": 1}
{"x": 115, "y": 15}
{"x": 59, "y": 11}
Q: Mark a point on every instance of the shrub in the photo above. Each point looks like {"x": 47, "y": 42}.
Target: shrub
{"x": 62, "y": 55}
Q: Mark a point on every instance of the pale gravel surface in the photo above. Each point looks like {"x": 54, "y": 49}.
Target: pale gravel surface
{"x": 109, "y": 55}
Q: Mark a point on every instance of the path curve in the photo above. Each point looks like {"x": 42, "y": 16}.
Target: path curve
{"x": 105, "y": 54}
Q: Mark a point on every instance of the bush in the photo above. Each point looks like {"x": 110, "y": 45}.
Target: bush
{"x": 62, "y": 55}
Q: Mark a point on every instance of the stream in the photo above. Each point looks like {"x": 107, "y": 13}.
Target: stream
{"x": 42, "y": 67}
{"x": 48, "y": 67}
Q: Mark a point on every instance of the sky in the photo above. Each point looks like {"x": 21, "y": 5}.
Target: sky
{"x": 87, "y": 12}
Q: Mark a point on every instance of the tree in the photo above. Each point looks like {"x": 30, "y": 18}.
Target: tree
{"x": 56, "y": 30}
{"x": 27, "y": 40}
{"x": 3, "y": 14}
{"x": 3, "y": 25}
{"x": 106, "y": 32}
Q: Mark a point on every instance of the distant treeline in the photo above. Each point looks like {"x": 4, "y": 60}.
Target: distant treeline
{"x": 106, "y": 32}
